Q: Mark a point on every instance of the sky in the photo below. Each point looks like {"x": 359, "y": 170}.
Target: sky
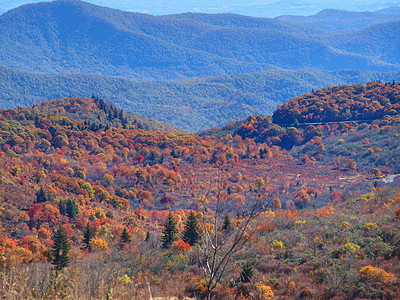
{"x": 258, "y": 8}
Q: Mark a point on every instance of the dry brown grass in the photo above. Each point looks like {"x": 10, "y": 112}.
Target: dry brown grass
{"x": 91, "y": 280}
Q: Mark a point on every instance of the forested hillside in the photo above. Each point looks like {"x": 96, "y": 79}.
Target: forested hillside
{"x": 341, "y": 20}
{"x": 92, "y": 206}
{"x": 281, "y": 199}
{"x": 71, "y": 36}
{"x": 359, "y": 102}
{"x": 356, "y": 124}
{"x": 192, "y": 70}
{"x": 196, "y": 104}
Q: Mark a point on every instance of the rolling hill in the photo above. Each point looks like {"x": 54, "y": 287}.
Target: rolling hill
{"x": 340, "y": 20}
{"x": 255, "y": 8}
{"x": 380, "y": 41}
{"x": 358, "y": 102}
{"x": 194, "y": 105}
{"x": 356, "y": 123}
{"x": 71, "y": 36}
{"x": 324, "y": 212}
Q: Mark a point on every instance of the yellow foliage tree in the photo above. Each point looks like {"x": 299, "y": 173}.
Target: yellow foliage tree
{"x": 264, "y": 292}
{"x": 98, "y": 244}
{"x": 278, "y": 244}
{"x": 372, "y": 274}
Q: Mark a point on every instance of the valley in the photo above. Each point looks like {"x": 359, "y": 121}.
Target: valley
{"x": 199, "y": 155}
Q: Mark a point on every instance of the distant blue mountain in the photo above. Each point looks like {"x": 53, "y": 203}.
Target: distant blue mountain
{"x": 389, "y": 10}
{"x": 259, "y": 8}
{"x": 71, "y": 36}
{"x": 195, "y": 104}
{"x": 340, "y": 20}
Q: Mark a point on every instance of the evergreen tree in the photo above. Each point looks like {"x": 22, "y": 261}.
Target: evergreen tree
{"x": 41, "y": 196}
{"x": 62, "y": 207}
{"x": 148, "y": 236}
{"x": 50, "y": 197}
{"x": 37, "y": 121}
{"x": 248, "y": 151}
{"x": 60, "y": 249}
{"x": 246, "y": 273}
{"x": 227, "y": 225}
{"x": 71, "y": 209}
{"x": 191, "y": 232}
{"x": 169, "y": 232}
{"x": 88, "y": 235}
{"x": 229, "y": 190}
{"x": 125, "y": 237}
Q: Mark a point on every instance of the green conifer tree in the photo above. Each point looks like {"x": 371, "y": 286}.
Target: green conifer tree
{"x": 191, "y": 232}
{"x": 148, "y": 236}
{"x": 227, "y": 225}
{"x": 71, "y": 208}
{"x": 246, "y": 273}
{"x": 125, "y": 238}
{"x": 62, "y": 207}
{"x": 41, "y": 196}
{"x": 169, "y": 232}
{"x": 88, "y": 235}
{"x": 60, "y": 249}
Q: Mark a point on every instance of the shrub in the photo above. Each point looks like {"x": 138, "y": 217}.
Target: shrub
{"x": 369, "y": 226}
{"x": 372, "y": 274}
{"x": 278, "y": 244}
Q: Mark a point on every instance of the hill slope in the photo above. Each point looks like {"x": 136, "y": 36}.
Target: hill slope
{"x": 70, "y": 36}
{"x": 359, "y": 102}
{"x": 350, "y": 124}
{"x": 380, "y": 41}
{"x": 194, "y": 105}
{"x": 71, "y": 164}
{"x": 337, "y": 20}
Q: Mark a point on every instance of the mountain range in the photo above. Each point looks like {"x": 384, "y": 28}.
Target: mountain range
{"x": 259, "y": 8}
{"x": 99, "y": 202}
{"x": 191, "y": 70}
{"x": 336, "y": 20}
{"x": 71, "y": 36}
{"x": 194, "y": 104}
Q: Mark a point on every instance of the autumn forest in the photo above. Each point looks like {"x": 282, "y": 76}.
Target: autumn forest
{"x": 254, "y": 210}
{"x": 198, "y": 156}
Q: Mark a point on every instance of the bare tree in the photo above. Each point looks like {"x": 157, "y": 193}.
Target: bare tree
{"x": 217, "y": 247}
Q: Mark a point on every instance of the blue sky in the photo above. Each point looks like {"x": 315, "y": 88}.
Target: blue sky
{"x": 260, "y": 8}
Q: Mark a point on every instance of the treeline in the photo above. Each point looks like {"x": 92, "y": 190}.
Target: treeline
{"x": 88, "y": 203}
{"x": 353, "y": 124}
{"x": 213, "y": 101}
{"x": 359, "y": 102}
{"x": 141, "y": 47}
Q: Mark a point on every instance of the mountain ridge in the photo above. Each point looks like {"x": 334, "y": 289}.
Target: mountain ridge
{"x": 70, "y": 164}
{"x": 255, "y": 8}
{"x": 341, "y": 20}
{"x": 75, "y": 36}
{"x": 214, "y": 101}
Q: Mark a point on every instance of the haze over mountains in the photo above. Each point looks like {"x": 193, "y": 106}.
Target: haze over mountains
{"x": 49, "y": 49}
{"x": 194, "y": 104}
{"x": 333, "y": 20}
{"x": 260, "y": 8}
{"x": 101, "y": 200}
{"x": 71, "y": 36}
